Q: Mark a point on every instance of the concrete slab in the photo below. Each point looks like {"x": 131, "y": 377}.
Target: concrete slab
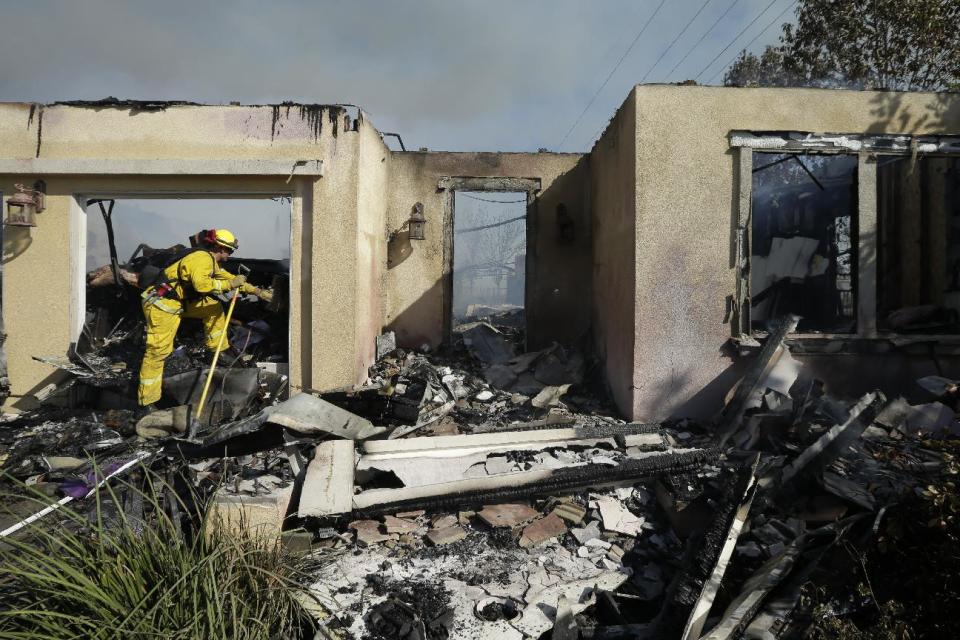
{"x": 328, "y": 485}
{"x": 260, "y": 517}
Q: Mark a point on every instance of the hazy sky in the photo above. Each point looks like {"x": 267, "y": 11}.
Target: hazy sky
{"x": 262, "y": 226}
{"x": 491, "y": 75}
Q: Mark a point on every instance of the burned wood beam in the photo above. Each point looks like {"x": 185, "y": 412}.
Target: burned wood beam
{"x": 732, "y": 415}
{"x": 695, "y": 587}
{"x": 105, "y": 277}
{"x": 745, "y": 606}
{"x": 831, "y": 443}
{"x": 525, "y": 484}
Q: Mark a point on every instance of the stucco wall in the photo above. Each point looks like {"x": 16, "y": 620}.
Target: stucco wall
{"x": 373, "y": 171}
{"x": 685, "y": 207}
{"x": 613, "y": 179}
{"x": 39, "y": 284}
{"x": 559, "y": 289}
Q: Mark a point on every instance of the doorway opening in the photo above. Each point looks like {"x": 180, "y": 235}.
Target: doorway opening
{"x": 489, "y": 259}
{"x": 130, "y": 240}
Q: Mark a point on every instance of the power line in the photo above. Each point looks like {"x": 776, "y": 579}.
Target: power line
{"x": 755, "y": 38}
{"x": 491, "y": 226}
{"x": 703, "y": 37}
{"x": 743, "y": 31}
{"x": 679, "y": 35}
{"x": 610, "y": 75}
{"x": 599, "y": 131}
{"x": 467, "y": 195}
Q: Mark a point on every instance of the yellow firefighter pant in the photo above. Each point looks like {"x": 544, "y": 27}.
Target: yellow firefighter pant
{"x": 162, "y": 329}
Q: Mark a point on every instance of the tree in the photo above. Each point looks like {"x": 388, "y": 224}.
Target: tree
{"x": 910, "y": 45}
{"x": 766, "y": 70}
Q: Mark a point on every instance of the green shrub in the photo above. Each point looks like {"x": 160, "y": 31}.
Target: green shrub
{"x": 113, "y": 577}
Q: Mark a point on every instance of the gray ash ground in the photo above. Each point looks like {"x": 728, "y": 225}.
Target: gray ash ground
{"x": 472, "y": 553}
{"x": 496, "y": 610}
{"x": 413, "y": 610}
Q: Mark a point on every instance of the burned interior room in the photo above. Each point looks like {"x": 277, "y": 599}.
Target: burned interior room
{"x": 804, "y": 240}
{"x": 131, "y": 241}
{"x": 918, "y": 249}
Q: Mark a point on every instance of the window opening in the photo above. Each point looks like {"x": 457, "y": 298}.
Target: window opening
{"x": 489, "y": 257}
{"x": 918, "y": 220}
{"x": 804, "y": 241}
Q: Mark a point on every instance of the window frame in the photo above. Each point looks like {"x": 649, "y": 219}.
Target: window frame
{"x": 868, "y": 150}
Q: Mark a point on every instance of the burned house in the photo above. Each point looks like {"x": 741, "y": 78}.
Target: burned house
{"x": 622, "y": 249}
{"x": 751, "y": 277}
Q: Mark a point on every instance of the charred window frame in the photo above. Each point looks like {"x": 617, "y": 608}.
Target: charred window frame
{"x": 868, "y": 228}
{"x": 918, "y": 248}
{"x": 803, "y": 241}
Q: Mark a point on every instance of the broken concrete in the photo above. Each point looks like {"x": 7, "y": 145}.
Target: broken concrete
{"x": 507, "y": 515}
{"x": 260, "y": 517}
{"x": 328, "y": 485}
{"x": 539, "y": 531}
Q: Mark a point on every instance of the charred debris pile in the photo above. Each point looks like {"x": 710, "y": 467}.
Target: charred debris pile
{"x": 482, "y": 492}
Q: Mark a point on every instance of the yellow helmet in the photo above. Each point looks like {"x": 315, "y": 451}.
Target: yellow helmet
{"x": 224, "y": 238}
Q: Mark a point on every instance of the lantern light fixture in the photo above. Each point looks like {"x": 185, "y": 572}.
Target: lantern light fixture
{"x": 24, "y": 205}
{"x": 417, "y": 222}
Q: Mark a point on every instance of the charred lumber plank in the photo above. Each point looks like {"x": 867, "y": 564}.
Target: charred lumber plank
{"x": 732, "y": 415}
{"x": 831, "y": 443}
{"x": 692, "y": 594}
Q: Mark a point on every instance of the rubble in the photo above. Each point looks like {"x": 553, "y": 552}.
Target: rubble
{"x": 484, "y": 489}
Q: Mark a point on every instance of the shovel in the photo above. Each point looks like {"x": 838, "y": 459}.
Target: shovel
{"x": 195, "y": 419}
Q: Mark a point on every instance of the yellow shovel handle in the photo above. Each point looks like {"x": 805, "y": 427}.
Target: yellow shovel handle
{"x": 216, "y": 355}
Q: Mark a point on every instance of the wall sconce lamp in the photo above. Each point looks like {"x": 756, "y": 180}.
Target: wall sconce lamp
{"x": 417, "y": 222}
{"x": 24, "y": 205}
{"x": 415, "y": 225}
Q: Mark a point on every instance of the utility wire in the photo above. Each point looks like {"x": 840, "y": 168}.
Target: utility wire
{"x": 702, "y": 38}
{"x": 679, "y": 35}
{"x": 610, "y": 75}
{"x": 603, "y": 126}
{"x": 737, "y": 37}
{"x": 765, "y": 29}
{"x": 491, "y": 226}
{"x": 467, "y": 195}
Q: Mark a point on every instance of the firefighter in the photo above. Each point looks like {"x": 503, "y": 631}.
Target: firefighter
{"x": 185, "y": 288}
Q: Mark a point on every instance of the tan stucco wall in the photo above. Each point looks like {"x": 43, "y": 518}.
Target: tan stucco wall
{"x": 373, "y": 171}
{"x": 39, "y": 287}
{"x": 559, "y": 289}
{"x": 613, "y": 178}
{"x": 685, "y": 208}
